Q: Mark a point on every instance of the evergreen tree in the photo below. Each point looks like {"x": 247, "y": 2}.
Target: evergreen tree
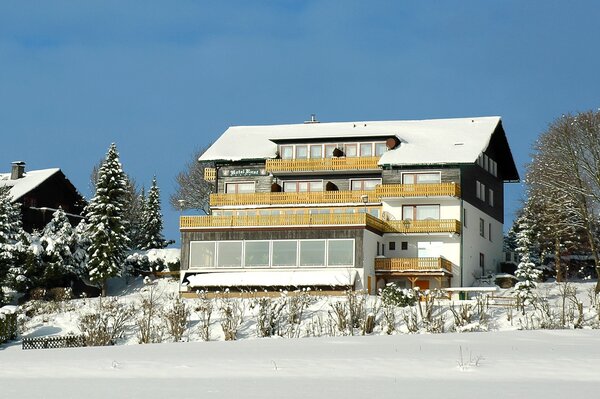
{"x": 10, "y": 231}
{"x": 152, "y": 224}
{"x": 107, "y": 225}
{"x": 526, "y": 270}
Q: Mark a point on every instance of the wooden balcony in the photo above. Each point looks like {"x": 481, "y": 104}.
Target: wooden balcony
{"x": 418, "y": 190}
{"x": 210, "y": 174}
{"x": 319, "y": 197}
{"x": 338, "y": 219}
{"x": 423, "y": 226}
{"x": 409, "y": 265}
{"x": 322, "y": 164}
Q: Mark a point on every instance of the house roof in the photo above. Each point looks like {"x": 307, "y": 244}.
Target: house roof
{"x": 30, "y": 180}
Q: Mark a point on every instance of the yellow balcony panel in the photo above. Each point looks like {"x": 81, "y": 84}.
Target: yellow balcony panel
{"x": 210, "y": 174}
{"x": 351, "y": 219}
{"x": 320, "y": 197}
{"x": 423, "y": 226}
{"x": 409, "y": 265}
{"x": 322, "y": 164}
{"x": 418, "y": 190}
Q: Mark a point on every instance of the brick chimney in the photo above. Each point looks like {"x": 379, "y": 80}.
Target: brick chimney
{"x": 17, "y": 170}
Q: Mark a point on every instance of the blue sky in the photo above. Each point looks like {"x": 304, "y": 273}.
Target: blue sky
{"x": 162, "y": 78}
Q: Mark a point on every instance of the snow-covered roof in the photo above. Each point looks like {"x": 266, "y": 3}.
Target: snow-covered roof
{"x": 30, "y": 180}
{"x": 433, "y": 141}
{"x": 292, "y": 278}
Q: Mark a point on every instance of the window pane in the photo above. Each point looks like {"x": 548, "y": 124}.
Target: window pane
{"x": 408, "y": 178}
{"x": 245, "y": 188}
{"x": 366, "y": 150}
{"x": 379, "y": 149}
{"x": 286, "y": 152}
{"x": 329, "y": 150}
{"x": 350, "y": 150}
{"x": 202, "y": 254}
{"x": 289, "y": 187}
{"x": 407, "y": 212}
{"x": 341, "y": 253}
{"x": 356, "y": 185}
{"x": 257, "y": 253}
{"x": 428, "y": 212}
{"x": 302, "y": 186}
{"x": 428, "y": 178}
{"x": 312, "y": 253}
{"x": 284, "y": 253}
{"x": 230, "y": 254}
{"x": 370, "y": 184}
{"x": 316, "y": 151}
{"x": 316, "y": 186}
{"x": 301, "y": 152}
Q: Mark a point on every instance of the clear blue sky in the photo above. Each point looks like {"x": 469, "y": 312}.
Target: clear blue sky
{"x": 161, "y": 78}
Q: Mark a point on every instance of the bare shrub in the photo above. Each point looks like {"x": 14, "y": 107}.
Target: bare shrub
{"x": 204, "y": 310}
{"x": 105, "y": 324}
{"x": 150, "y": 330}
{"x": 232, "y": 316}
{"x": 389, "y": 319}
{"x": 177, "y": 317}
{"x": 339, "y": 315}
{"x": 269, "y": 315}
{"x": 463, "y": 316}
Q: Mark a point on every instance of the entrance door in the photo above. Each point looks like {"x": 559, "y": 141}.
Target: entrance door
{"x": 422, "y": 284}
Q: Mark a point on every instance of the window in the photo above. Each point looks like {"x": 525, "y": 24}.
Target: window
{"x": 285, "y": 253}
{"x": 316, "y": 151}
{"x": 481, "y": 262}
{"x": 256, "y": 254}
{"x": 340, "y": 253}
{"x": 491, "y": 197}
{"x": 380, "y": 148}
{"x": 404, "y": 245}
{"x": 301, "y": 152}
{"x": 364, "y": 184}
{"x": 286, "y": 152}
{"x": 202, "y": 254}
{"x": 366, "y": 149}
{"x": 490, "y": 232}
{"x": 480, "y": 190}
{"x": 481, "y": 227}
{"x": 312, "y": 253}
{"x": 421, "y": 178}
{"x": 229, "y": 254}
{"x": 350, "y": 150}
{"x": 239, "y": 188}
{"x": 421, "y": 212}
{"x": 329, "y": 148}
{"x": 294, "y": 186}
{"x": 465, "y": 217}
{"x": 392, "y": 245}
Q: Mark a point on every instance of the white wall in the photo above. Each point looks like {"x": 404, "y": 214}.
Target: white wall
{"x": 369, "y": 254}
{"x": 449, "y": 207}
{"x": 474, "y": 244}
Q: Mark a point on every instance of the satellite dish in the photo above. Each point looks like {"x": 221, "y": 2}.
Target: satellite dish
{"x": 385, "y": 215}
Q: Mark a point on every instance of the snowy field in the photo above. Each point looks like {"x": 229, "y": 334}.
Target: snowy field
{"x": 517, "y": 364}
{"x": 505, "y": 362}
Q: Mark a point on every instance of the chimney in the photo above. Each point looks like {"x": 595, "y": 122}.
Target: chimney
{"x": 313, "y": 119}
{"x": 18, "y": 170}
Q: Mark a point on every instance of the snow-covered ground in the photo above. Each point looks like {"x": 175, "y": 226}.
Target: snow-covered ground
{"x": 518, "y": 364}
{"x": 505, "y": 362}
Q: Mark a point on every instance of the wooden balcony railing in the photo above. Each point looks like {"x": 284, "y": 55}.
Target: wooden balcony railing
{"x": 412, "y": 264}
{"x": 345, "y": 219}
{"x": 419, "y": 190}
{"x": 318, "y": 197}
{"x": 423, "y": 226}
{"x": 210, "y": 174}
{"x": 318, "y": 164}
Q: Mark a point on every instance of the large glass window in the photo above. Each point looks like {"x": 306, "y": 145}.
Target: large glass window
{"x": 257, "y": 254}
{"x": 340, "y": 253}
{"x": 230, "y": 253}
{"x": 421, "y": 212}
{"x": 285, "y": 253}
{"x": 302, "y": 186}
{"x": 350, "y": 150}
{"x": 329, "y": 148}
{"x": 301, "y": 152}
{"x": 239, "y": 188}
{"x": 380, "y": 148}
{"x": 312, "y": 253}
{"x": 364, "y": 184}
{"x": 202, "y": 254}
{"x": 421, "y": 178}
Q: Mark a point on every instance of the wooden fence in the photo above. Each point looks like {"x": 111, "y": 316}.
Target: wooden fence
{"x": 54, "y": 342}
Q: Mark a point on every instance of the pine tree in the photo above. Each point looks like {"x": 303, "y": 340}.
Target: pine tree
{"x": 152, "y": 224}
{"x": 10, "y": 231}
{"x": 107, "y": 225}
{"x": 526, "y": 270}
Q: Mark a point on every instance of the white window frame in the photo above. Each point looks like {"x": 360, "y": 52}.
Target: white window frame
{"x": 363, "y": 183}
{"x": 214, "y": 243}
{"x": 272, "y": 246}
{"x": 421, "y": 173}
{"x": 241, "y": 259}
{"x": 236, "y": 183}
{"x": 303, "y": 181}
{"x": 270, "y": 242}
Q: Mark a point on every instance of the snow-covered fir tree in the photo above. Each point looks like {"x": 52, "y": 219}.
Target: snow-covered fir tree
{"x": 526, "y": 271}
{"x": 10, "y": 231}
{"x": 107, "y": 225}
{"x": 152, "y": 224}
